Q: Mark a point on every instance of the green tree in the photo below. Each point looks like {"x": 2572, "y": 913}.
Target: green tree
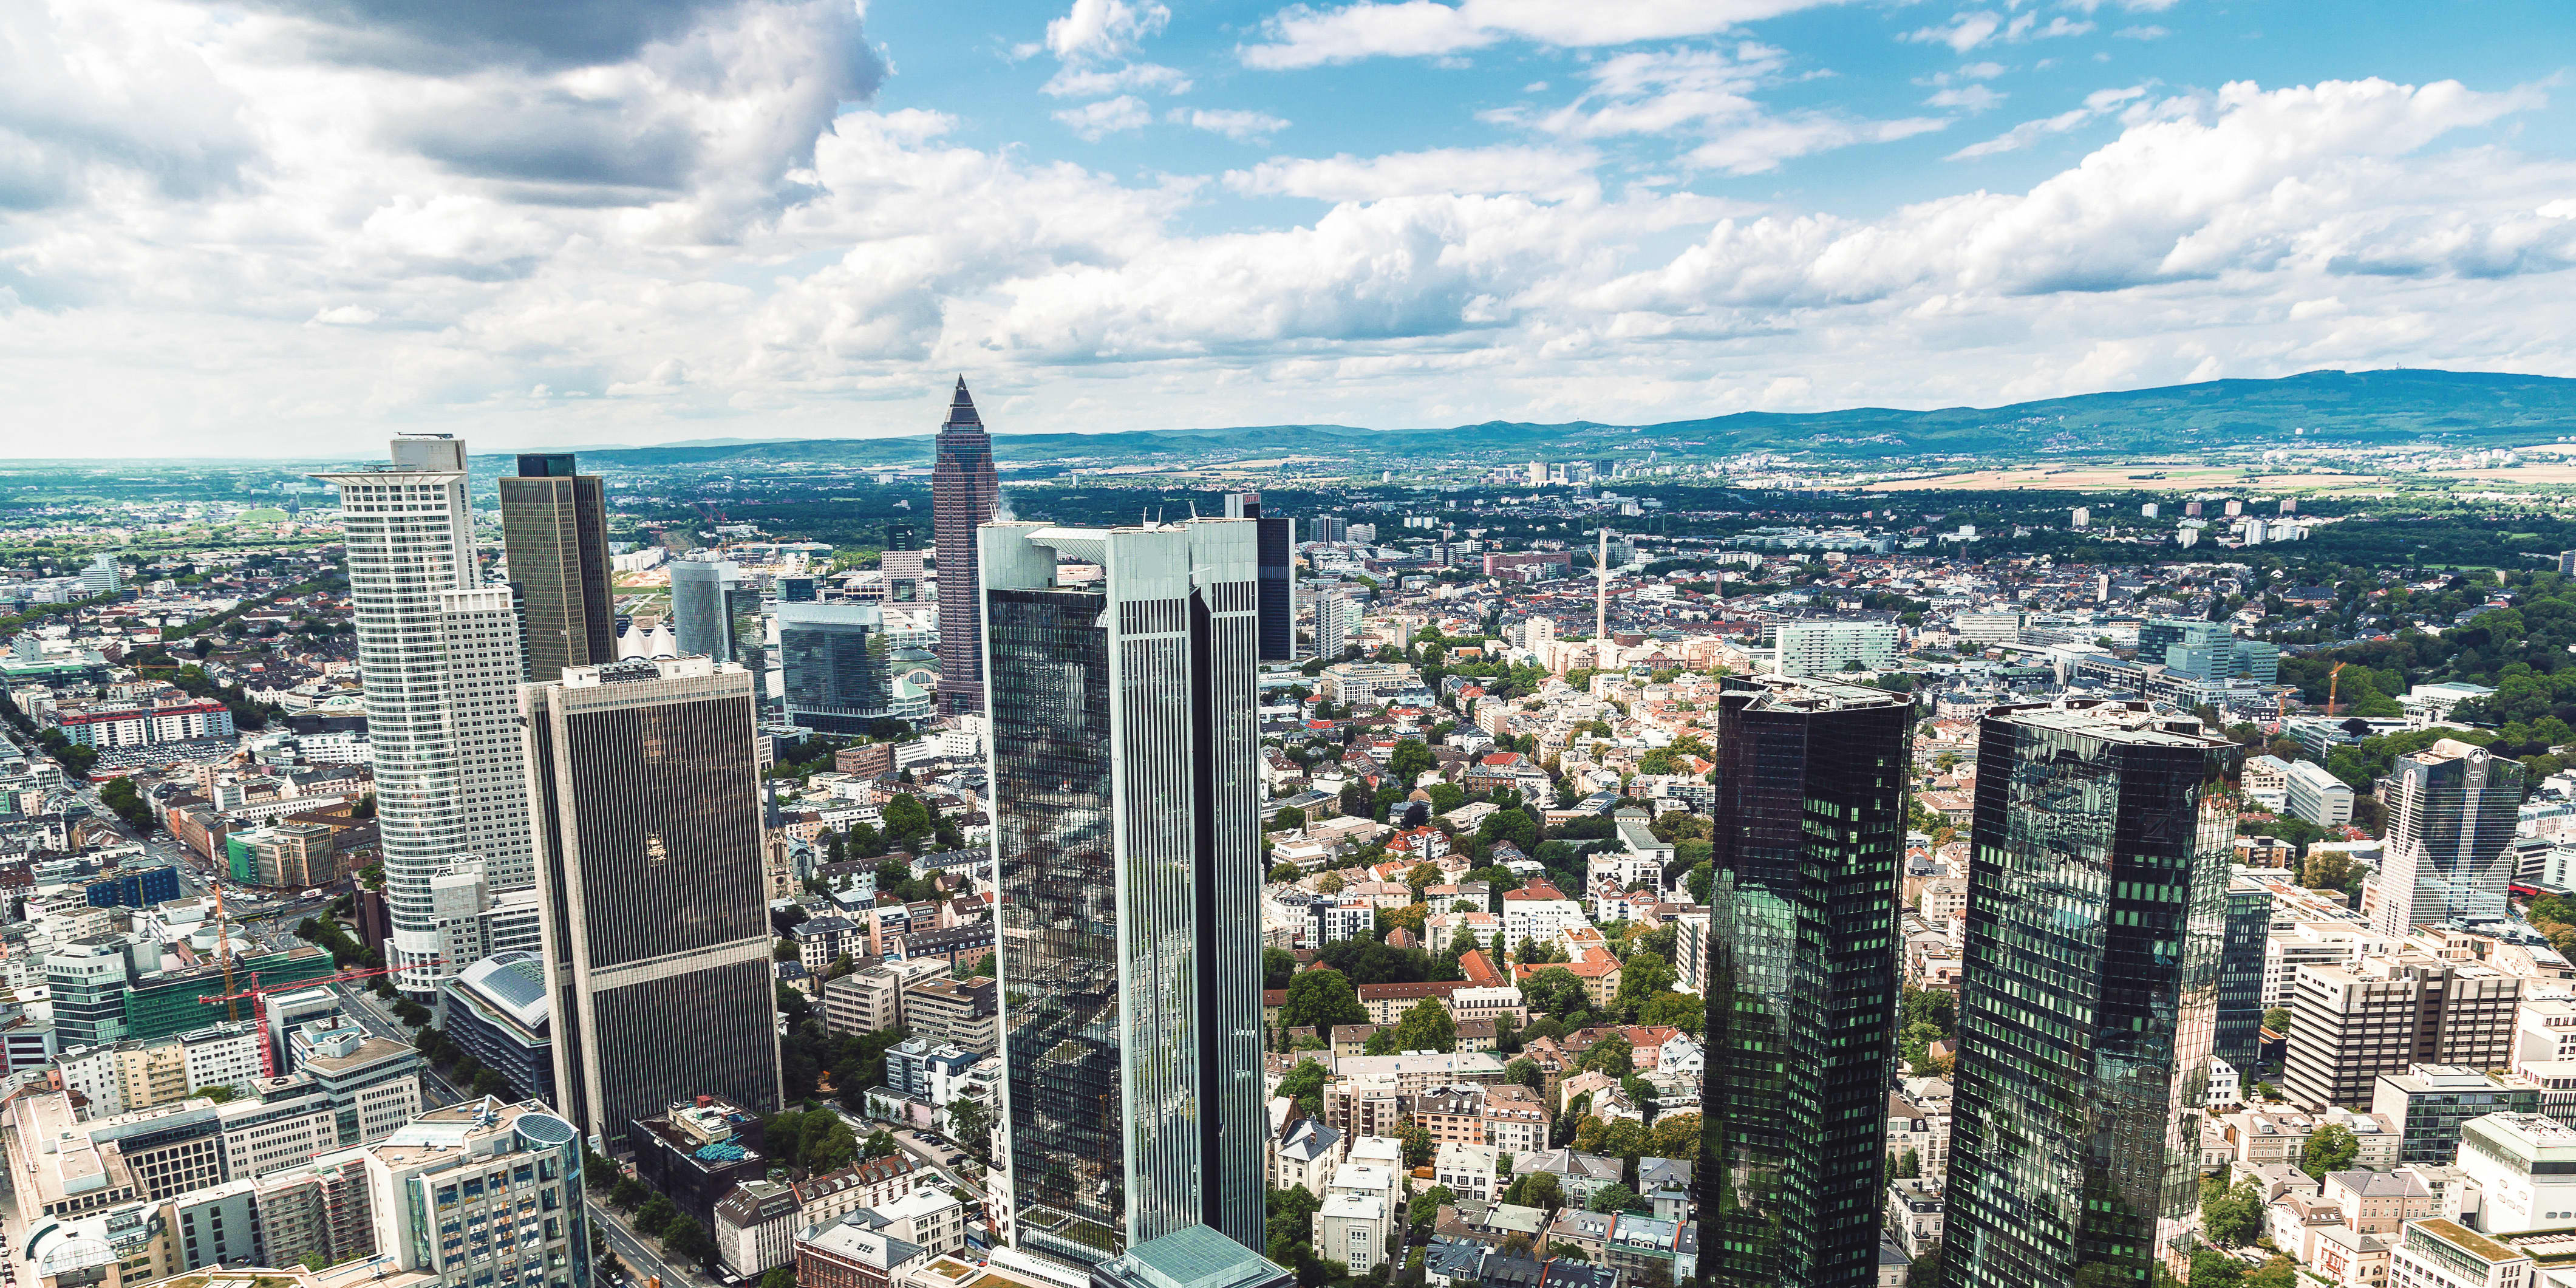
{"x": 1909, "y": 1164}
{"x": 1288, "y": 819}
{"x": 970, "y": 1124}
{"x": 1541, "y": 1190}
{"x": 1411, "y": 760}
{"x": 1613, "y": 1197}
{"x": 656, "y": 1215}
{"x": 1322, "y": 998}
{"x": 2331, "y": 1149}
{"x": 1278, "y": 966}
{"x": 1305, "y": 1085}
{"x": 2235, "y": 1217}
{"x": 687, "y": 1239}
{"x": 2277, "y": 1019}
{"x": 1674, "y": 1136}
{"x": 880, "y": 1144}
{"x": 1417, "y": 1143}
{"x": 1556, "y": 991}
{"x": 1611, "y": 1055}
{"x": 628, "y": 1194}
{"x": 1679, "y": 1010}
{"x": 1427, "y": 1027}
{"x": 1526, "y": 1072}
{"x": 1641, "y": 978}
{"x": 779, "y": 1277}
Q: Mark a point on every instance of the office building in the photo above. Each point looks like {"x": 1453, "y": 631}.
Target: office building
{"x": 554, "y": 528}
{"x": 1810, "y": 838}
{"x": 1828, "y": 647}
{"x": 508, "y": 1175}
{"x": 2208, "y": 652}
{"x": 2349, "y": 1025}
{"x": 2450, "y": 837}
{"x": 2522, "y": 1169}
{"x": 832, "y": 660}
{"x": 1335, "y": 618}
{"x": 2428, "y": 1103}
{"x": 963, "y": 492}
{"x": 655, "y": 899}
{"x": 1278, "y": 584}
{"x": 1125, "y": 765}
{"x": 440, "y": 660}
{"x": 2239, "y": 1035}
{"x": 2097, "y": 903}
{"x": 2310, "y": 793}
{"x": 496, "y": 1012}
{"x": 715, "y": 611}
{"x": 102, "y": 577}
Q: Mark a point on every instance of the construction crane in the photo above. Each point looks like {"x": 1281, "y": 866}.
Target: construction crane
{"x": 2334, "y": 680}
{"x": 268, "y": 1058}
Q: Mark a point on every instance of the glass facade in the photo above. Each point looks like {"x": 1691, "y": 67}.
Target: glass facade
{"x": 700, "y": 612}
{"x": 554, "y": 527}
{"x": 654, "y": 892}
{"x": 1126, "y": 809}
{"x": 832, "y": 659}
{"x": 1059, "y": 880}
{"x": 1809, "y": 833}
{"x": 2097, "y": 910}
{"x": 2240, "y": 978}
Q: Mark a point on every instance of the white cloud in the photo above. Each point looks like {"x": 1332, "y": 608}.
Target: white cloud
{"x": 1096, "y": 121}
{"x": 1966, "y": 98}
{"x": 1542, "y": 172}
{"x": 1967, "y": 30}
{"x": 1708, "y": 94}
{"x": 1095, "y": 29}
{"x": 1241, "y": 126}
{"x": 2096, "y": 104}
{"x": 1305, "y": 36}
{"x": 2142, "y": 32}
{"x": 1081, "y": 82}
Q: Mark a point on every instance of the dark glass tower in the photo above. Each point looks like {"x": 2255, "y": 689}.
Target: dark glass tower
{"x": 833, "y": 661}
{"x": 554, "y": 526}
{"x": 1809, "y": 837}
{"x": 2239, "y": 1035}
{"x": 653, "y": 889}
{"x": 1126, "y": 811}
{"x": 962, "y": 492}
{"x": 1278, "y": 588}
{"x": 2097, "y": 906}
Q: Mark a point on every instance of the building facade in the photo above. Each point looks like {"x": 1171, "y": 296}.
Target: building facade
{"x": 2450, "y": 837}
{"x": 1125, "y": 770}
{"x": 440, "y": 661}
{"x": 963, "y": 490}
{"x": 1277, "y": 591}
{"x": 1810, "y": 837}
{"x": 554, "y": 528}
{"x": 657, "y": 941}
{"x": 2097, "y": 904}
{"x": 832, "y": 662}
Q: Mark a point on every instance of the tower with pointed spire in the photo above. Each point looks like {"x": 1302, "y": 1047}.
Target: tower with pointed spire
{"x": 962, "y": 491}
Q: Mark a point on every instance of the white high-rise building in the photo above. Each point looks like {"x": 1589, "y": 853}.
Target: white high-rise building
{"x": 1334, "y": 619}
{"x": 438, "y": 654}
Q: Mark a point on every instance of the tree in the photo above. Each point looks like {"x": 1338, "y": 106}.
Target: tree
{"x": 969, "y": 1123}
{"x": 1278, "y": 966}
{"x": 1555, "y": 990}
{"x": 1329, "y": 883}
{"x": 1641, "y": 978}
{"x": 628, "y": 1194}
{"x": 1611, "y": 1055}
{"x": 1426, "y": 1205}
{"x": 1411, "y": 760}
{"x": 1417, "y": 1143}
{"x": 1678, "y": 1010}
{"x": 687, "y": 1239}
{"x": 2331, "y": 1149}
{"x": 2211, "y": 1268}
{"x": 1427, "y": 1027}
{"x": 1613, "y": 1197}
{"x": 1542, "y": 1191}
{"x": 779, "y": 1277}
{"x": 2277, "y": 1019}
{"x": 1322, "y": 998}
{"x": 1305, "y": 1085}
{"x": 656, "y": 1215}
{"x": 2235, "y": 1217}
{"x": 1924, "y": 1273}
{"x": 1909, "y": 1164}
{"x": 880, "y": 1144}
{"x": 1526, "y": 1072}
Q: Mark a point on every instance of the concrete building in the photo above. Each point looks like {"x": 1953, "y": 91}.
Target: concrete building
{"x": 1828, "y": 647}
{"x": 2429, "y": 1102}
{"x": 2317, "y": 796}
{"x": 2349, "y": 1027}
{"x": 2521, "y": 1170}
{"x": 440, "y": 659}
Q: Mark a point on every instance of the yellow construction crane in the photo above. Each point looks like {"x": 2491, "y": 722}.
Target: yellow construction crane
{"x": 2334, "y": 680}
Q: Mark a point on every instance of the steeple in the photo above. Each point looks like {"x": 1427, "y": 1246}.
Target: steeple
{"x": 961, "y": 409}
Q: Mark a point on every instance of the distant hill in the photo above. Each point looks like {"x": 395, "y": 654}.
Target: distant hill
{"x": 2393, "y": 406}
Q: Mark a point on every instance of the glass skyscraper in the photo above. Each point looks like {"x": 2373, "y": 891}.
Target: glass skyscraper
{"x": 554, "y": 526}
{"x": 2097, "y": 904}
{"x": 1126, "y": 810}
{"x": 832, "y": 659}
{"x": 1278, "y": 588}
{"x": 1809, "y": 835}
{"x": 701, "y": 606}
{"x": 654, "y": 889}
{"x": 2450, "y": 838}
{"x": 2239, "y": 1037}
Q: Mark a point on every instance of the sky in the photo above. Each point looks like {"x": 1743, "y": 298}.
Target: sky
{"x": 289, "y": 227}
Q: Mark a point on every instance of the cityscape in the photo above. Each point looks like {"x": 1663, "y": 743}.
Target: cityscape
{"x": 1379, "y": 644}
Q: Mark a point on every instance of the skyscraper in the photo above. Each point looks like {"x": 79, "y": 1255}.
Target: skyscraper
{"x": 554, "y": 527}
{"x": 701, "y": 609}
{"x": 2241, "y": 964}
{"x": 2097, "y": 903}
{"x": 1278, "y": 588}
{"x": 2450, "y": 838}
{"x": 654, "y": 895}
{"x": 1126, "y": 808}
{"x": 962, "y": 493}
{"x": 1809, "y": 830}
{"x": 439, "y": 658}
{"x": 1335, "y": 615}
